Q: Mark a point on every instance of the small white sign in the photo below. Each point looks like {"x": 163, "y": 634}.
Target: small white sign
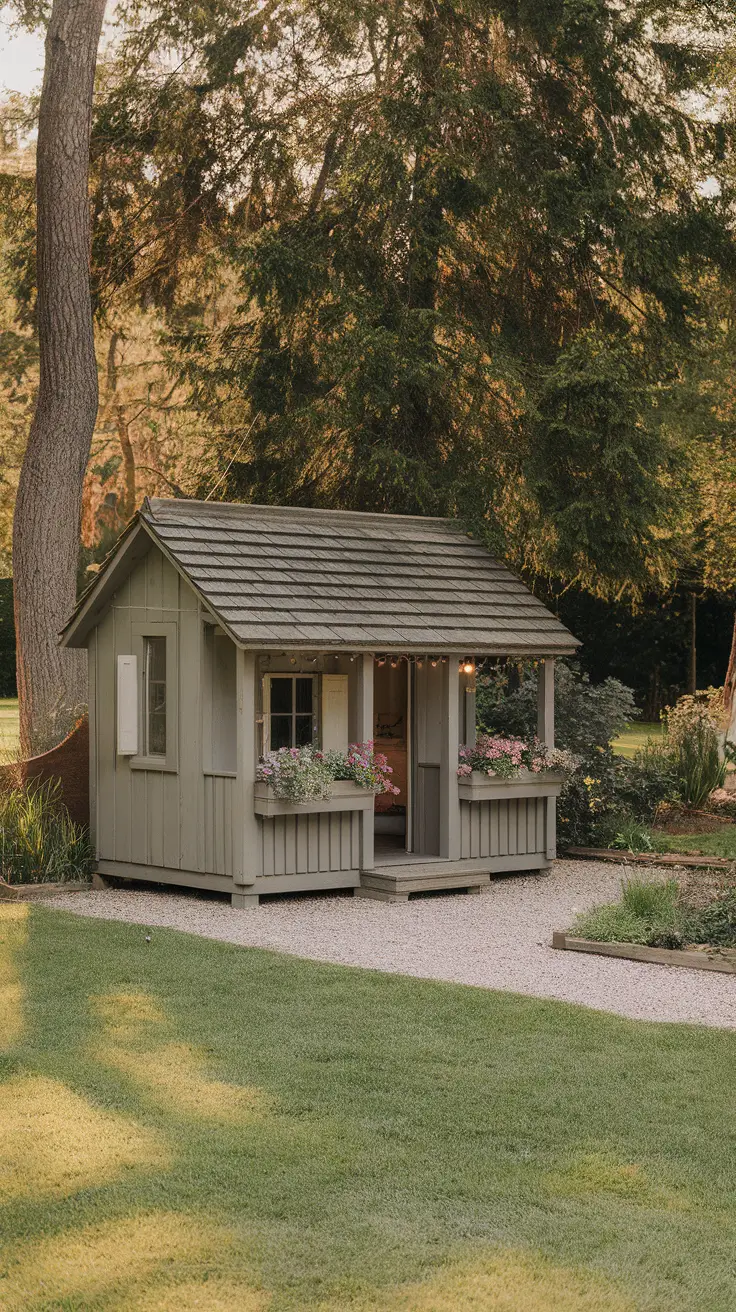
{"x": 127, "y": 705}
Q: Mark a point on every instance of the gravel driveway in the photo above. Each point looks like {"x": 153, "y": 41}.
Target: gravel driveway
{"x": 499, "y": 940}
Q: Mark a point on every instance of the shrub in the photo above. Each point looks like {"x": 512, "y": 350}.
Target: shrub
{"x": 586, "y": 715}
{"x": 715, "y": 923}
{"x": 634, "y": 836}
{"x": 695, "y": 709}
{"x": 589, "y": 810}
{"x": 39, "y": 842}
{"x": 651, "y": 778}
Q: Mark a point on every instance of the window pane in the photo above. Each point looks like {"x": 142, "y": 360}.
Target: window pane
{"x": 156, "y": 696}
{"x": 281, "y": 692}
{"x": 303, "y": 730}
{"x": 157, "y": 734}
{"x": 304, "y": 696}
{"x": 280, "y": 732}
{"x": 156, "y": 658}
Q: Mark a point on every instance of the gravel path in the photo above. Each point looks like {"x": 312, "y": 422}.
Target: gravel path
{"x": 499, "y": 940}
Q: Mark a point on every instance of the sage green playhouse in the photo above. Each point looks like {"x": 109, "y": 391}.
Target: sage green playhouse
{"x": 216, "y": 632}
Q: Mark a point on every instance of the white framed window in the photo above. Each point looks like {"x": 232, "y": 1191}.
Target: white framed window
{"x": 290, "y": 710}
{"x": 154, "y": 696}
{"x": 156, "y": 647}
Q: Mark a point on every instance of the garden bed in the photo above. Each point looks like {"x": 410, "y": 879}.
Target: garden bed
{"x": 701, "y": 957}
{"x": 686, "y": 921}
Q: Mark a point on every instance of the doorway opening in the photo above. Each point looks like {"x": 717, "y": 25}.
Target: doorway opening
{"x": 391, "y": 729}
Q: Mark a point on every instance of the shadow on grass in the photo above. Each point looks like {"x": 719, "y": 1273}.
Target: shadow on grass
{"x": 185, "y": 1123}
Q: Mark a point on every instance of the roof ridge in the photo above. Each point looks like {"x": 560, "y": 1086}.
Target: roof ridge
{"x": 223, "y": 507}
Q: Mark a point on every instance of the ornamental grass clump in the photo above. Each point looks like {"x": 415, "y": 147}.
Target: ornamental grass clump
{"x": 648, "y": 913}
{"x": 701, "y": 767}
{"x": 39, "y": 842}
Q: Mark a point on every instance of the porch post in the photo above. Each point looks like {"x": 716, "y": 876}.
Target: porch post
{"x": 546, "y": 732}
{"x": 546, "y": 702}
{"x": 247, "y": 831}
{"x": 364, "y": 726}
{"x": 450, "y": 741}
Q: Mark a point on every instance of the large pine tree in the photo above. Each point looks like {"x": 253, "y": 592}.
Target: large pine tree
{"x": 467, "y": 240}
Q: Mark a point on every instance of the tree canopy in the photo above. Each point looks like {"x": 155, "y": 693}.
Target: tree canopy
{"x": 436, "y": 256}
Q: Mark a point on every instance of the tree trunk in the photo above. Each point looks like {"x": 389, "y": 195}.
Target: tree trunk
{"x": 729, "y": 690}
{"x": 692, "y": 680}
{"x": 52, "y": 681}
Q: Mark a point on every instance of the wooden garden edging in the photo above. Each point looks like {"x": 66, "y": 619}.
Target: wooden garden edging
{"x": 29, "y": 892}
{"x": 647, "y": 858}
{"x": 723, "y": 959}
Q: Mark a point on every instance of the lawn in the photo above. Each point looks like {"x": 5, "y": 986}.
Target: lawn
{"x": 721, "y": 843}
{"x": 8, "y": 728}
{"x": 635, "y": 736}
{"x": 187, "y": 1124}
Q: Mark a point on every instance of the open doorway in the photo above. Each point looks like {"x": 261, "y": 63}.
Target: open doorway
{"x": 391, "y": 735}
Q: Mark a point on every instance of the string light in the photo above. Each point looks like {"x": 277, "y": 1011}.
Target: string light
{"x": 468, "y": 667}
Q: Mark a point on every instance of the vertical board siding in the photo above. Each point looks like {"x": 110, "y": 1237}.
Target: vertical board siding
{"x": 180, "y": 819}
{"x": 512, "y": 827}
{"x": 322, "y": 841}
{"x": 219, "y": 807}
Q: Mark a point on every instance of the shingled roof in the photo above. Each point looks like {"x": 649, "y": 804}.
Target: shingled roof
{"x": 297, "y": 579}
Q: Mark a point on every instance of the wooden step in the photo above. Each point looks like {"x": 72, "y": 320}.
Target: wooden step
{"x": 394, "y": 883}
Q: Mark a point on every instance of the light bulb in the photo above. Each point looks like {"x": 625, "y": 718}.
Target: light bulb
{"x": 468, "y": 667}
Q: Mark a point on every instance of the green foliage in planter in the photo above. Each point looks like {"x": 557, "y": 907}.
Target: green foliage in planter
{"x": 39, "y": 842}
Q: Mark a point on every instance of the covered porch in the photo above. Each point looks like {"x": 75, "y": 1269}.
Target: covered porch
{"x": 441, "y": 831}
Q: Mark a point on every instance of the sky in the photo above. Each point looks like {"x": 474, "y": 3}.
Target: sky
{"x": 21, "y": 57}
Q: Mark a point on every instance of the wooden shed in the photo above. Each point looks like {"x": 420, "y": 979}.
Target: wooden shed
{"x": 216, "y": 632}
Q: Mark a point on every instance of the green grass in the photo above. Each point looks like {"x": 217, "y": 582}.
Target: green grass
{"x": 721, "y": 843}
{"x": 9, "y": 738}
{"x": 188, "y": 1124}
{"x": 634, "y": 737}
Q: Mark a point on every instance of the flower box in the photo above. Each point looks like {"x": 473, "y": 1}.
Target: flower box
{"x": 479, "y": 787}
{"x": 346, "y": 796}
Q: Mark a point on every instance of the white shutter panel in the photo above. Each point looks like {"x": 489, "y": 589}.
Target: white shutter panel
{"x": 334, "y": 712}
{"x": 127, "y": 705}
